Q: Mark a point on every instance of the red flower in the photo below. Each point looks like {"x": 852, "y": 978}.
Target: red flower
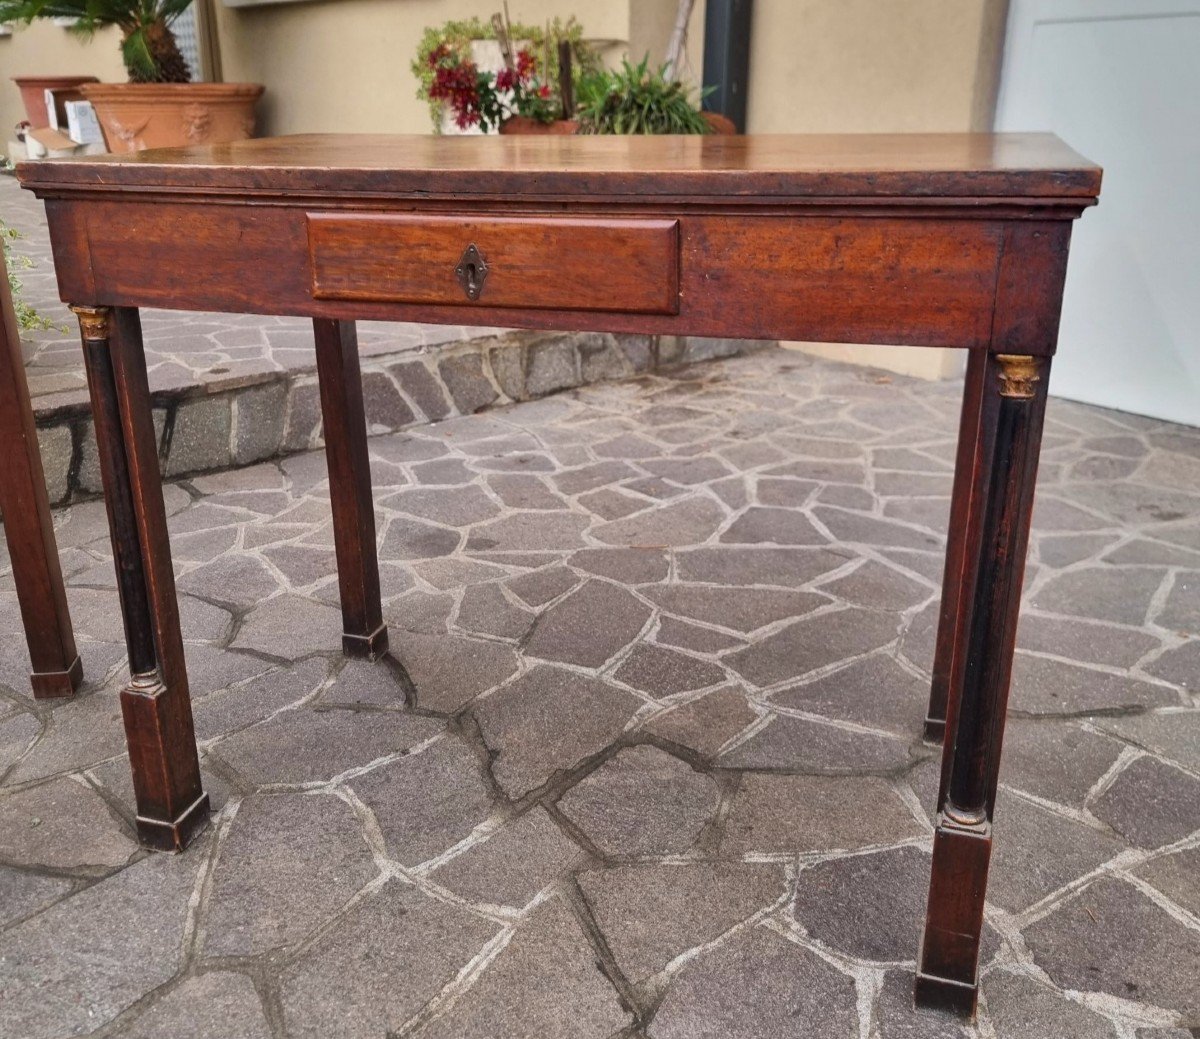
{"x": 484, "y": 99}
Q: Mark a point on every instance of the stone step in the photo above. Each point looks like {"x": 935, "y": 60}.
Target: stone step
{"x": 212, "y": 425}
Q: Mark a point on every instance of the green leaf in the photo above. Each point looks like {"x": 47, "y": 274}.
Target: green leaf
{"x": 136, "y": 53}
{"x": 169, "y": 10}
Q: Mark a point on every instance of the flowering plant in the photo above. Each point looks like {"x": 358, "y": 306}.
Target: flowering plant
{"x": 457, "y": 38}
{"x": 486, "y": 99}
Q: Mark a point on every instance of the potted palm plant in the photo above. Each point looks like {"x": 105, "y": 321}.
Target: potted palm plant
{"x": 159, "y": 107}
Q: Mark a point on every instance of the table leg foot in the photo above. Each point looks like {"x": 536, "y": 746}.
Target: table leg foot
{"x": 174, "y": 834}
{"x": 935, "y": 729}
{"x": 932, "y": 993}
{"x": 50, "y": 684}
{"x": 948, "y": 961}
{"x": 366, "y": 647}
{"x": 151, "y": 714}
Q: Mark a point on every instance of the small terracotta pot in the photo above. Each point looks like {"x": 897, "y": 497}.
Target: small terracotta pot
{"x": 720, "y": 124}
{"x": 137, "y": 116}
{"x": 523, "y": 124}
{"x": 33, "y": 93}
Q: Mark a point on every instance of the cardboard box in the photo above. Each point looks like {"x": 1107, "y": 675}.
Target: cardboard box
{"x": 48, "y": 143}
{"x": 82, "y": 125}
{"x": 56, "y": 102}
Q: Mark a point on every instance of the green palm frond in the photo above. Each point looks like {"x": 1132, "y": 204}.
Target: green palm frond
{"x": 172, "y": 9}
{"x": 138, "y": 20}
{"x": 135, "y": 51}
{"x": 28, "y": 10}
{"x": 95, "y": 14}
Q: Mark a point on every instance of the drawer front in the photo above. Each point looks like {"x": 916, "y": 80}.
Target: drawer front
{"x": 541, "y": 263}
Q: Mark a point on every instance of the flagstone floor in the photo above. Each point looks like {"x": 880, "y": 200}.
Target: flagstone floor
{"x": 647, "y": 761}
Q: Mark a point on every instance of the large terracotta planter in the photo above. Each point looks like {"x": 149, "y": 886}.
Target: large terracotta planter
{"x": 33, "y": 93}
{"x": 523, "y": 124}
{"x": 137, "y": 116}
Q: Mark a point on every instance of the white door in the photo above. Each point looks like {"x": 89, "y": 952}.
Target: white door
{"x": 1119, "y": 81}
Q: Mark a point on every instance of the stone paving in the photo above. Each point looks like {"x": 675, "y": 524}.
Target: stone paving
{"x": 646, "y": 762}
{"x": 232, "y": 389}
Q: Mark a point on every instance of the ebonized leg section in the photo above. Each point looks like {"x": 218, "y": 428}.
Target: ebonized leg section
{"x": 28, "y": 528}
{"x": 345, "y": 425}
{"x": 1008, "y": 439}
{"x": 950, "y": 617}
{"x": 172, "y": 807}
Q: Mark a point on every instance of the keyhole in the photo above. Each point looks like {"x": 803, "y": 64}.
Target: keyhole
{"x": 471, "y": 271}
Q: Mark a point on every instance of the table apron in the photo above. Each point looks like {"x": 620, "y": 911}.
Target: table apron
{"x": 929, "y": 281}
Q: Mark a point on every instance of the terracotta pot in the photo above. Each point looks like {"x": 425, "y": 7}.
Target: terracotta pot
{"x": 137, "y": 116}
{"x": 720, "y": 124}
{"x": 33, "y": 93}
{"x": 523, "y": 124}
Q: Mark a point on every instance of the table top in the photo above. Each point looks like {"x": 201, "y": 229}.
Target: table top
{"x": 760, "y": 166}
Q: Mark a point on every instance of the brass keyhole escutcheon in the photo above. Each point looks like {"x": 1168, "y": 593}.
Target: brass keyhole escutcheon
{"x": 472, "y": 269}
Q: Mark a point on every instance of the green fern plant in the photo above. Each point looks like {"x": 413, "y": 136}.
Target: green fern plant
{"x": 636, "y": 99}
{"x": 148, "y": 47}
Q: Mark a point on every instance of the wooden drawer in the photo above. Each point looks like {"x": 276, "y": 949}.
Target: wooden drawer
{"x": 542, "y": 263}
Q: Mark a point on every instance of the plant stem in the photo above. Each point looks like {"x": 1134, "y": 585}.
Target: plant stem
{"x": 678, "y": 38}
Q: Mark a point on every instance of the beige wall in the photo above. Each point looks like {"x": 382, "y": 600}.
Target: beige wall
{"x": 48, "y": 50}
{"x": 343, "y": 64}
{"x": 866, "y": 66}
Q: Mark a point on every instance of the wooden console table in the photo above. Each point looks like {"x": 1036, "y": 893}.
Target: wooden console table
{"x": 28, "y": 527}
{"x": 937, "y": 240}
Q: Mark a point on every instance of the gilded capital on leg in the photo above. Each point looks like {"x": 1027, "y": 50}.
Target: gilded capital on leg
{"x": 1019, "y": 375}
{"x": 93, "y": 321}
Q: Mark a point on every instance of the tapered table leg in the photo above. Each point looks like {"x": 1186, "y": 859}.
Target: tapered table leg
{"x": 950, "y": 616}
{"x": 172, "y": 807}
{"x": 345, "y": 426}
{"x": 1007, "y": 442}
{"x": 28, "y": 528}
